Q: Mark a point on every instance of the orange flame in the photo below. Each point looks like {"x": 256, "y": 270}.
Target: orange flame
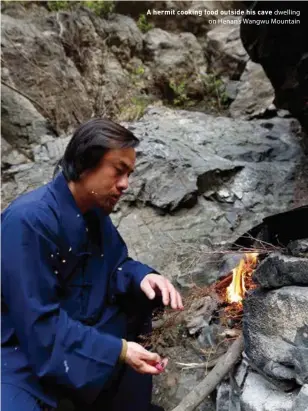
{"x": 237, "y": 288}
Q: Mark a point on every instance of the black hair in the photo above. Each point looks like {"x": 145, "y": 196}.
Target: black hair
{"x": 89, "y": 143}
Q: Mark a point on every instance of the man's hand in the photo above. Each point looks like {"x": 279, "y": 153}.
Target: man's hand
{"x": 143, "y": 361}
{"x": 153, "y": 283}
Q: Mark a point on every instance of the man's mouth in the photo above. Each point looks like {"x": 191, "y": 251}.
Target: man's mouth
{"x": 115, "y": 199}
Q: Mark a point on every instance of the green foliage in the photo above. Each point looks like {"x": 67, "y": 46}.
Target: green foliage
{"x": 135, "y": 108}
{"x": 179, "y": 90}
{"x": 100, "y": 7}
{"x": 215, "y": 91}
{"x": 143, "y": 23}
{"x": 59, "y": 5}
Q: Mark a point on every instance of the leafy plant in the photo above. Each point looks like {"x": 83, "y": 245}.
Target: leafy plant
{"x": 179, "y": 90}
{"x": 143, "y": 23}
{"x": 59, "y": 5}
{"x": 99, "y": 7}
{"x": 215, "y": 90}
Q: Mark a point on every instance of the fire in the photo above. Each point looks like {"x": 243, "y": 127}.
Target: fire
{"x": 240, "y": 275}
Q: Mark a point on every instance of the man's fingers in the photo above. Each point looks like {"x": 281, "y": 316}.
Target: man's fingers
{"x": 150, "y": 356}
{"x": 148, "y": 290}
{"x": 180, "y": 302}
{"x": 173, "y": 296}
{"x": 165, "y": 293}
{"x": 148, "y": 369}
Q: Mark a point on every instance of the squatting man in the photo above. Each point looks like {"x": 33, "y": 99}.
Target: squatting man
{"x": 73, "y": 301}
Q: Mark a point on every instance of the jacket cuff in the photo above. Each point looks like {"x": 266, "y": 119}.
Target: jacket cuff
{"x": 123, "y": 351}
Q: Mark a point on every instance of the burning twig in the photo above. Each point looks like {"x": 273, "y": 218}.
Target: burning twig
{"x": 209, "y": 383}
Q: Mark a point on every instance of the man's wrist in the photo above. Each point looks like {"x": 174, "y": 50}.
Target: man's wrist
{"x": 123, "y": 351}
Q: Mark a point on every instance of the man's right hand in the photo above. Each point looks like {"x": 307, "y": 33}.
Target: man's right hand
{"x": 141, "y": 360}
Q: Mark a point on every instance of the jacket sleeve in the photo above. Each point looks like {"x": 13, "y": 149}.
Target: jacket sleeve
{"x": 57, "y": 347}
{"x": 128, "y": 273}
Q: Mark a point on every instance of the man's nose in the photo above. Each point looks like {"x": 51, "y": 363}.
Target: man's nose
{"x": 123, "y": 183}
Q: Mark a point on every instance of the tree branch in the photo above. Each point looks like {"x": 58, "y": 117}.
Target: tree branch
{"x": 209, "y": 383}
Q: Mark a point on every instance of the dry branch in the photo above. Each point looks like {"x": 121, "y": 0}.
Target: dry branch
{"x": 208, "y": 384}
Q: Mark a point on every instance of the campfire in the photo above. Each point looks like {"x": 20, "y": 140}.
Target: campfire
{"x": 231, "y": 290}
{"x": 241, "y": 278}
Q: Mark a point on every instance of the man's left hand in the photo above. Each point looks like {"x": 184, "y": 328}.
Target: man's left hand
{"x": 154, "y": 284}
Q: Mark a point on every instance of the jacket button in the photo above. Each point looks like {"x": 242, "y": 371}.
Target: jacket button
{"x": 112, "y": 299}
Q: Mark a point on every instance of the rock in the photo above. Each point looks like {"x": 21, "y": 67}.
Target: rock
{"x": 300, "y": 353}
{"x": 301, "y": 400}
{"x": 255, "y": 93}
{"x": 10, "y": 156}
{"x": 259, "y": 395}
{"x": 210, "y": 166}
{"x": 21, "y": 124}
{"x": 226, "y": 53}
{"x": 271, "y": 322}
{"x": 196, "y": 24}
{"x": 176, "y": 62}
{"x": 231, "y": 89}
{"x": 38, "y": 66}
{"x": 282, "y": 55}
{"x": 123, "y": 37}
{"x": 279, "y": 270}
{"x": 299, "y": 248}
{"x": 223, "y": 397}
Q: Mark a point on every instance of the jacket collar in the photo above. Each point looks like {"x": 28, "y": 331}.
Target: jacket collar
{"x": 72, "y": 221}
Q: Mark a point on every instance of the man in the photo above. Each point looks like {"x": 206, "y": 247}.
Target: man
{"x": 73, "y": 302}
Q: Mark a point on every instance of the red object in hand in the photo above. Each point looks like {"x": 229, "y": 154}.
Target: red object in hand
{"x": 160, "y": 366}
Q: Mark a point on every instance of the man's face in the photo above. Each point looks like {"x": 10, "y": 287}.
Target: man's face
{"x": 106, "y": 183}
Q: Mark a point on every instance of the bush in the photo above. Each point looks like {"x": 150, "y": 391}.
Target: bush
{"x": 143, "y": 24}
{"x": 100, "y": 8}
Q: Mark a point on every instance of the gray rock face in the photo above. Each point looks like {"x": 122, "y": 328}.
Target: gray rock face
{"x": 255, "y": 93}
{"x": 279, "y": 270}
{"x": 272, "y": 321}
{"x": 227, "y": 54}
{"x": 33, "y": 54}
{"x": 21, "y": 123}
{"x": 176, "y": 58}
{"x": 259, "y": 395}
{"x": 301, "y": 402}
{"x": 299, "y": 248}
{"x": 200, "y": 180}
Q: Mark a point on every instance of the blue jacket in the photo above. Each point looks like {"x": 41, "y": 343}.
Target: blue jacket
{"x": 63, "y": 274}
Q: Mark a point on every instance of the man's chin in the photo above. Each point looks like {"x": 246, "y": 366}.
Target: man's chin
{"x": 107, "y": 208}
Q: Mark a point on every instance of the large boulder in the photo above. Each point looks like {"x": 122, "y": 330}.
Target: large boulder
{"x": 34, "y": 56}
{"x": 225, "y": 51}
{"x": 255, "y": 94}
{"x": 21, "y": 123}
{"x": 177, "y": 62}
{"x": 275, "y": 332}
{"x": 279, "y": 270}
